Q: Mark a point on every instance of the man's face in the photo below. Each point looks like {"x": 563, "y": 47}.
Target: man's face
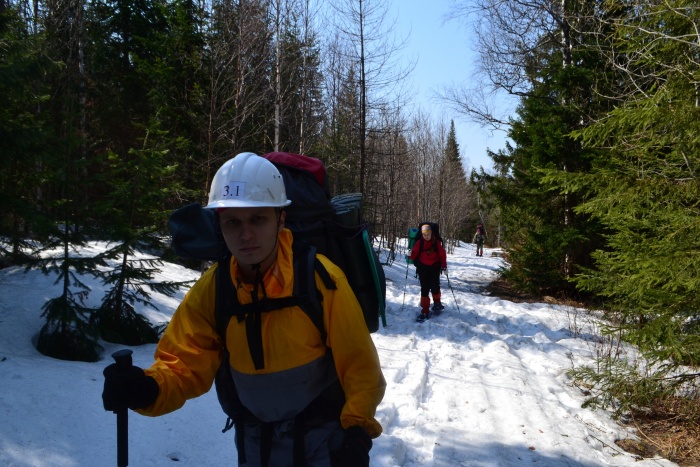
{"x": 251, "y": 234}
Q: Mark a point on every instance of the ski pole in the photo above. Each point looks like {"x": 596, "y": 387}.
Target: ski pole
{"x": 123, "y": 360}
{"x": 447, "y": 274}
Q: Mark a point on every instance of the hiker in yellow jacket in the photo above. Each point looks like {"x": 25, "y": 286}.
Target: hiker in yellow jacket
{"x": 312, "y": 402}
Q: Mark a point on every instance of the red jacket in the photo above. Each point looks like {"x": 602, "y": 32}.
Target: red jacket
{"x": 429, "y": 253}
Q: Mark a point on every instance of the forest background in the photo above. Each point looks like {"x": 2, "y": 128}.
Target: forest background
{"x": 113, "y": 113}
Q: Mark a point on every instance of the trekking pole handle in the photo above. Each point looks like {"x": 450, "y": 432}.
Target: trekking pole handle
{"x": 123, "y": 361}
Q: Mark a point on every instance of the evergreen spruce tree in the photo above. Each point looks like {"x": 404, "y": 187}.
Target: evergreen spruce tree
{"x": 63, "y": 196}
{"x": 142, "y": 55}
{"x": 547, "y": 240}
{"x": 24, "y": 134}
{"x": 452, "y": 150}
{"x": 455, "y": 194}
{"x": 177, "y": 93}
{"x": 139, "y": 186}
{"x": 646, "y": 193}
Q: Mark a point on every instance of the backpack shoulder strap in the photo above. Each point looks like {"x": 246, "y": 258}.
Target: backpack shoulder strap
{"x": 226, "y": 300}
{"x": 306, "y": 266}
{"x": 305, "y": 293}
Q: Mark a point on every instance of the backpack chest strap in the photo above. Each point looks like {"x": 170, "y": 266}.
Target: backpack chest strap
{"x": 305, "y": 296}
{"x": 252, "y": 314}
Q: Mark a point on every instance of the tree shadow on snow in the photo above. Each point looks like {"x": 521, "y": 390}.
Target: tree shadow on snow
{"x": 463, "y": 324}
{"x": 457, "y": 448}
{"x": 454, "y": 453}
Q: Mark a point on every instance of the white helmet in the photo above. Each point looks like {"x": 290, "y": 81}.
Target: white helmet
{"x": 247, "y": 181}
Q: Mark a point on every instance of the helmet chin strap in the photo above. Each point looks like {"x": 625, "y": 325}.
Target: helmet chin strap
{"x": 256, "y": 266}
{"x": 254, "y": 319}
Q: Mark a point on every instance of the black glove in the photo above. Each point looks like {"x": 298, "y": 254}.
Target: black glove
{"x": 355, "y": 449}
{"x": 443, "y": 271}
{"x": 128, "y": 388}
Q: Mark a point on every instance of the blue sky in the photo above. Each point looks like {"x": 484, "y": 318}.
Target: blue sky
{"x": 444, "y": 57}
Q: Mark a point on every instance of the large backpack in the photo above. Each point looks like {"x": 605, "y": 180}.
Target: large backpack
{"x": 414, "y": 235}
{"x": 332, "y": 227}
{"x": 335, "y": 227}
{"x": 434, "y": 228}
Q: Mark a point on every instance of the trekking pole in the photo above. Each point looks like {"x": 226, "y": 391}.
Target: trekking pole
{"x": 123, "y": 360}
{"x": 403, "y": 303}
{"x": 452, "y": 290}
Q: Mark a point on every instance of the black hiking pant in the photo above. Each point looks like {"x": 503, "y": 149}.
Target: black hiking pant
{"x": 429, "y": 277}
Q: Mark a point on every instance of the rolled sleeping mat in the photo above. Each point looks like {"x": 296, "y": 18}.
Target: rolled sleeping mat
{"x": 413, "y": 234}
{"x": 357, "y": 263}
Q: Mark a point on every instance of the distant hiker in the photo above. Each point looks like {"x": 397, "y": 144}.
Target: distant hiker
{"x": 307, "y": 400}
{"x": 479, "y": 239}
{"x": 430, "y": 259}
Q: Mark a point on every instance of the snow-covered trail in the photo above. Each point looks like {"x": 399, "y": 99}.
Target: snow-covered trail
{"x": 485, "y": 383}
{"x": 482, "y": 385}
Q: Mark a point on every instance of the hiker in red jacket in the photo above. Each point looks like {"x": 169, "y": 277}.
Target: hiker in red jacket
{"x": 430, "y": 259}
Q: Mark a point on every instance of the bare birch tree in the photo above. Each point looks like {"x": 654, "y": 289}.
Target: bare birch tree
{"x": 238, "y": 80}
{"x": 297, "y": 79}
{"x": 508, "y": 34}
{"x": 364, "y": 27}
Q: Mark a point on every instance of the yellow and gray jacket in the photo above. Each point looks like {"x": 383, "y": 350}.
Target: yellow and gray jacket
{"x": 296, "y": 361}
